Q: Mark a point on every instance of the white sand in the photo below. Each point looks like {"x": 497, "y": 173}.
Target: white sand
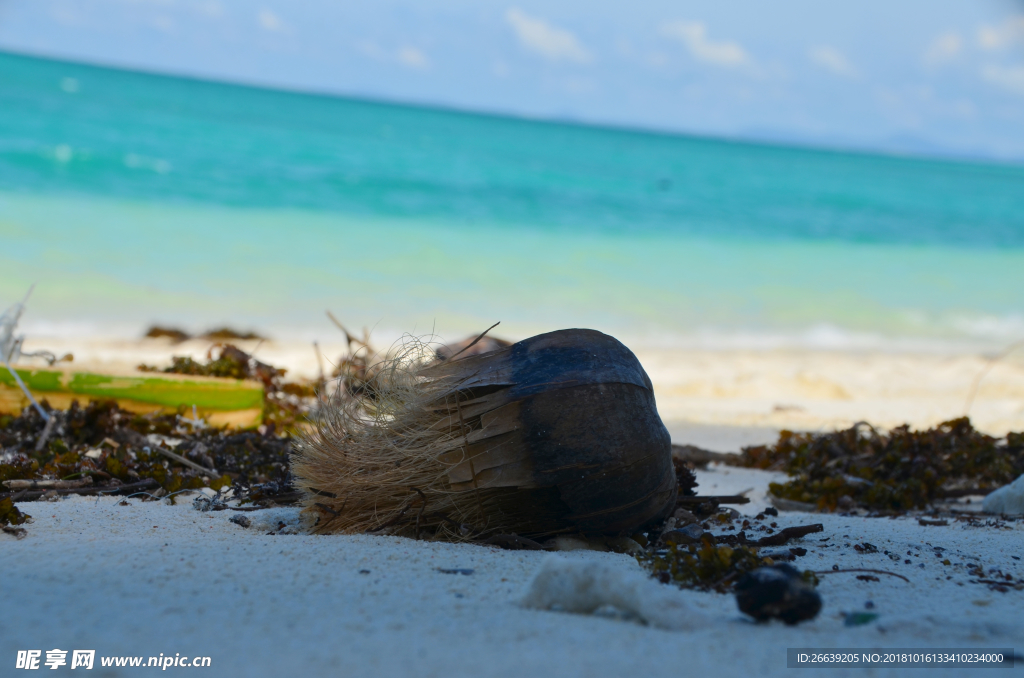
{"x": 150, "y": 578}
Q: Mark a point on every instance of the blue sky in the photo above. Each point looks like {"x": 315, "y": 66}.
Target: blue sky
{"x": 943, "y": 76}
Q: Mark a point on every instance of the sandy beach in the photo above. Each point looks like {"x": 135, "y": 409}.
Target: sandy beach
{"x": 794, "y": 235}
{"x": 151, "y": 578}
{"x": 148, "y": 578}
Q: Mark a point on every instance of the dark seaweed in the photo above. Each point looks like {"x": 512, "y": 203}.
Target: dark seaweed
{"x": 897, "y": 471}
{"x": 252, "y": 463}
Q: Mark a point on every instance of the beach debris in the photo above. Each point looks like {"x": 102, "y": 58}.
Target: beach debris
{"x": 859, "y": 618}
{"x": 777, "y": 592}
{"x": 178, "y": 336}
{"x": 455, "y": 570}
{"x": 241, "y": 521}
{"x": 46, "y": 484}
{"x": 11, "y": 517}
{"x": 353, "y": 369}
{"x": 230, "y": 334}
{"x": 555, "y": 434}
{"x": 897, "y": 471}
{"x": 102, "y": 449}
{"x": 837, "y": 570}
{"x": 471, "y": 346}
{"x": 780, "y": 538}
{"x": 1008, "y": 500}
{"x": 585, "y": 587}
{"x": 994, "y": 578}
{"x": 230, "y": 362}
{"x": 689, "y": 555}
{"x": 932, "y": 523}
{"x": 286, "y": 404}
{"x": 238, "y": 403}
{"x": 10, "y": 348}
{"x": 282, "y": 520}
{"x": 704, "y": 565}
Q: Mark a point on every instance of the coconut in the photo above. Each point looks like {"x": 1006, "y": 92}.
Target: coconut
{"x": 558, "y": 433}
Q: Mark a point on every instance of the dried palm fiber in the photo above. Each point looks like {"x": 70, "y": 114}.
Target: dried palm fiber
{"x": 557, "y": 433}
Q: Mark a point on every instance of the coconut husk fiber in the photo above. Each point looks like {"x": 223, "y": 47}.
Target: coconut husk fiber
{"x": 558, "y": 433}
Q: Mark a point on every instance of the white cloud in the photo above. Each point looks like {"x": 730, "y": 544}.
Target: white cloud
{"x": 66, "y": 15}
{"x": 997, "y": 37}
{"x": 211, "y": 9}
{"x": 1009, "y": 78}
{"x": 833, "y": 61}
{"x": 407, "y": 56}
{"x": 550, "y": 42}
{"x": 272, "y": 22}
{"x": 413, "y": 58}
{"x": 694, "y": 35}
{"x": 945, "y": 47}
{"x": 164, "y": 23}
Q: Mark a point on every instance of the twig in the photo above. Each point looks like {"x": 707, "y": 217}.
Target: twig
{"x": 391, "y": 522}
{"x": 47, "y": 432}
{"x": 472, "y": 343}
{"x": 861, "y": 569}
{"x": 187, "y": 462}
{"x": 141, "y": 485}
{"x": 781, "y": 538}
{"x": 320, "y": 363}
{"x": 422, "y": 509}
{"x": 327, "y": 508}
{"x": 348, "y": 337}
{"x": 6, "y": 357}
{"x": 39, "y": 409}
{"x": 718, "y": 499}
{"x": 787, "y": 533}
{"x": 46, "y": 484}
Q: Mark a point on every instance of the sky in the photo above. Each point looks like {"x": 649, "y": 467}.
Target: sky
{"x": 920, "y": 76}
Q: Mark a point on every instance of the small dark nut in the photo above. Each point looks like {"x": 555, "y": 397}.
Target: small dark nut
{"x": 777, "y": 592}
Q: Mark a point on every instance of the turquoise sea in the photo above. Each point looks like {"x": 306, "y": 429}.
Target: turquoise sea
{"x": 130, "y": 198}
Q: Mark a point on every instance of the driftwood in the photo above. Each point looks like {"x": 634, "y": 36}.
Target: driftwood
{"x": 778, "y": 539}
{"x": 46, "y": 484}
{"x": 148, "y": 483}
{"x": 212, "y": 472}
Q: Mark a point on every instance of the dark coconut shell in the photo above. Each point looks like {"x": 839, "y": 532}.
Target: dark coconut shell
{"x": 572, "y": 411}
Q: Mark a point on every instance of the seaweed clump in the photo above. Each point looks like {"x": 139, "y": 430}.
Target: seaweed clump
{"x": 895, "y": 471}
{"x": 103, "y": 449}
{"x": 705, "y": 565}
{"x": 11, "y": 518}
{"x": 692, "y": 557}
